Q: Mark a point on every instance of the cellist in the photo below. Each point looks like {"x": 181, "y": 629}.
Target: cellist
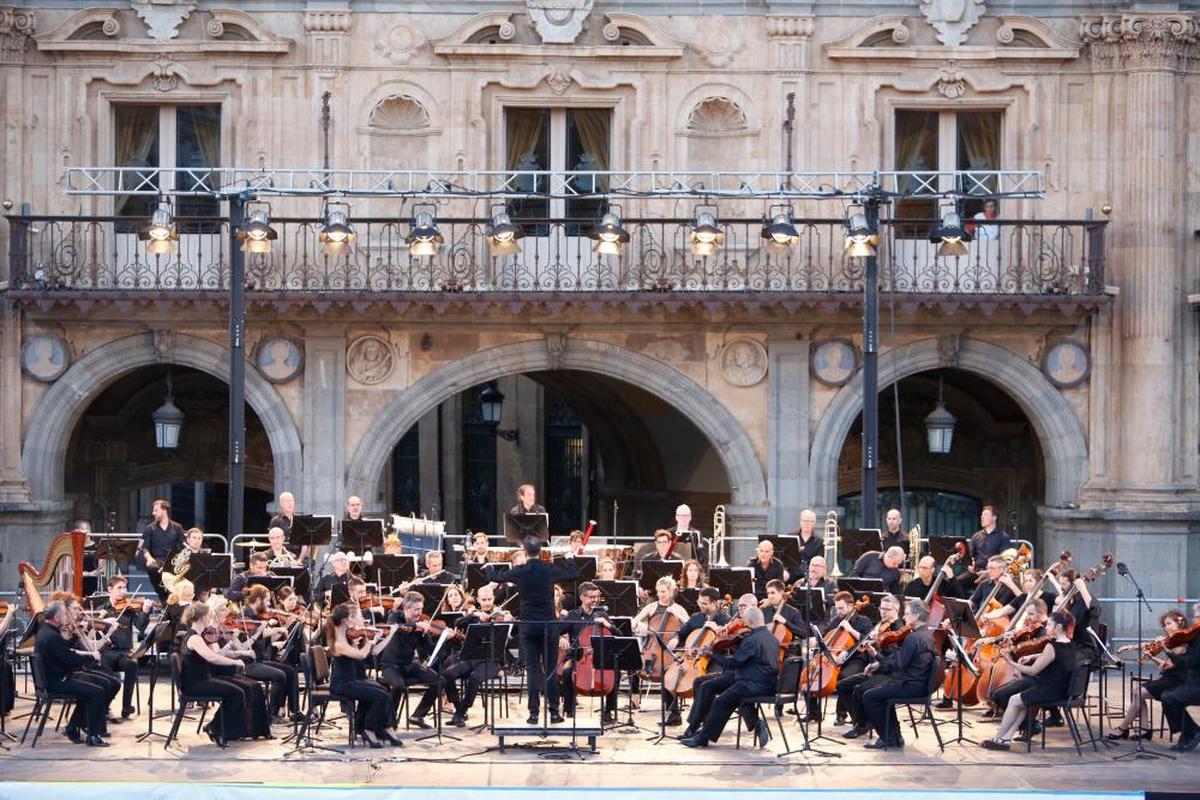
{"x": 778, "y": 613}
{"x": 993, "y": 586}
{"x": 847, "y": 618}
{"x": 662, "y": 608}
{"x": 588, "y": 612}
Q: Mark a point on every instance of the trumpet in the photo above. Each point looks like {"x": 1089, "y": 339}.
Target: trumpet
{"x": 718, "y": 537}
{"x": 833, "y": 543}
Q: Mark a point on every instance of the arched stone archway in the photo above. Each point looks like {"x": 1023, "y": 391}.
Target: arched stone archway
{"x": 747, "y": 482}
{"x": 58, "y": 412}
{"x": 1059, "y": 431}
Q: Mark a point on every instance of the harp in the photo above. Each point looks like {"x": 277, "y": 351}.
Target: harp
{"x": 63, "y": 570}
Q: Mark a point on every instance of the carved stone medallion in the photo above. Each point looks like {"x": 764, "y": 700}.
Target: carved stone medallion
{"x": 744, "y": 362}
{"x": 834, "y": 362}
{"x": 558, "y": 21}
{"x": 370, "y": 359}
{"x": 952, "y": 19}
{"x": 45, "y": 358}
{"x": 1066, "y": 363}
{"x": 278, "y": 359}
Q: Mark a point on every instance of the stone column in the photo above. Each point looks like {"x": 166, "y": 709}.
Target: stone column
{"x": 323, "y": 428}
{"x": 451, "y": 462}
{"x": 788, "y": 432}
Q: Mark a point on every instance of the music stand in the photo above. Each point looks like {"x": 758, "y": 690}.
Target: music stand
{"x": 857, "y": 541}
{"x": 652, "y": 571}
{"x": 942, "y": 547}
{"x": 475, "y": 577}
{"x": 962, "y": 626}
{"x": 787, "y": 550}
{"x": 120, "y": 551}
{"x": 861, "y": 586}
{"x": 395, "y": 570}
{"x": 732, "y": 581}
{"x": 273, "y": 582}
{"x": 311, "y": 531}
{"x": 208, "y": 572}
{"x": 622, "y": 626}
{"x": 808, "y": 692}
{"x": 156, "y": 635}
{"x": 521, "y": 525}
{"x": 690, "y": 600}
{"x": 433, "y": 594}
{"x": 298, "y": 578}
{"x": 361, "y": 535}
{"x": 95, "y": 601}
{"x": 586, "y": 565}
{"x": 810, "y": 602}
{"x": 487, "y": 642}
{"x": 619, "y": 654}
{"x": 339, "y": 593}
{"x": 620, "y": 597}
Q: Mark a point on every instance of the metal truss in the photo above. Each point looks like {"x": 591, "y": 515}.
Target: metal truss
{"x": 510, "y": 185}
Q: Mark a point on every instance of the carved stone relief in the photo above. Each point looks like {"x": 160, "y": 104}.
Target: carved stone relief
{"x": 717, "y": 114}
{"x": 399, "y": 42}
{"x": 279, "y": 359}
{"x": 952, "y": 19}
{"x": 45, "y": 358}
{"x": 400, "y": 113}
{"x": 370, "y": 359}
{"x": 16, "y": 26}
{"x": 744, "y": 362}
{"x": 558, "y": 21}
{"x": 163, "y": 17}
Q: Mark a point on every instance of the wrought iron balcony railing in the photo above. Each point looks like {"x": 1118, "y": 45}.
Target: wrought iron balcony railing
{"x": 103, "y": 255}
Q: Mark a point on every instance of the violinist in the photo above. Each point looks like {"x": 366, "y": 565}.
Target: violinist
{"x": 1083, "y": 609}
{"x": 1052, "y": 669}
{"x": 293, "y": 612}
{"x": 373, "y": 712}
{"x": 476, "y": 673}
{"x": 751, "y": 671}
{"x": 1175, "y": 701}
{"x": 881, "y": 565}
{"x": 923, "y": 581}
{"x": 851, "y": 689}
{"x": 228, "y": 642}
{"x": 766, "y": 568}
{"x": 339, "y": 576}
{"x": 993, "y": 583}
{"x": 434, "y": 573}
{"x": 1035, "y": 622}
{"x": 908, "y": 669}
{"x": 8, "y": 676}
{"x": 846, "y": 617}
{"x": 115, "y": 655}
{"x": 398, "y": 661}
{"x": 63, "y": 665}
{"x": 538, "y": 635}
{"x": 282, "y": 677}
{"x": 199, "y": 654}
{"x": 588, "y": 612}
{"x": 79, "y": 635}
{"x": 177, "y": 603}
{"x": 257, "y": 568}
{"x": 1170, "y": 676}
{"x": 456, "y": 601}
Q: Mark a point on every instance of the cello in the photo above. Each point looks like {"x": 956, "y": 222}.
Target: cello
{"x": 820, "y": 675}
{"x": 589, "y": 681}
{"x": 691, "y": 663}
{"x": 660, "y": 628}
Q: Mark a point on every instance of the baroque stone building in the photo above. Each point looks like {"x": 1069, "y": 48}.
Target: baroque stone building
{"x": 1064, "y": 340}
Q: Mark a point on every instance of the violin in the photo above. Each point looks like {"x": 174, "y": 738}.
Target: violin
{"x": 134, "y": 604}
{"x": 211, "y": 634}
{"x": 893, "y": 638}
{"x": 386, "y": 602}
{"x": 362, "y": 633}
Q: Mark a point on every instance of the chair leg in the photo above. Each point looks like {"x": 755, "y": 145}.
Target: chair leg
{"x": 1073, "y": 727}
{"x": 887, "y": 724}
{"x": 37, "y": 709}
{"x": 47, "y": 709}
{"x": 1030, "y": 716}
{"x": 912, "y": 722}
{"x": 782, "y": 734}
{"x": 1091, "y": 736}
{"x": 180, "y": 710}
{"x": 937, "y": 734}
{"x": 62, "y": 712}
{"x": 203, "y": 716}
{"x": 737, "y": 742}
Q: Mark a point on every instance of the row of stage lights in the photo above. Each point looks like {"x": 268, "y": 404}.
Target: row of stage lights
{"x": 425, "y": 239}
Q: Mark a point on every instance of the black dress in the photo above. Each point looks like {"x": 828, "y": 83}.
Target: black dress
{"x": 254, "y": 699}
{"x": 373, "y": 709}
{"x": 197, "y": 678}
{"x": 1054, "y": 682}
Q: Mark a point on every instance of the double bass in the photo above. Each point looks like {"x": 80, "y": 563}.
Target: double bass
{"x": 820, "y": 675}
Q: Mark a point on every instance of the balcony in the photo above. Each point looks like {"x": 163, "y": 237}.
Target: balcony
{"x": 1026, "y": 261}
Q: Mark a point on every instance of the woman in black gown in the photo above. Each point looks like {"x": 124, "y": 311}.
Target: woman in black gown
{"x": 200, "y": 655}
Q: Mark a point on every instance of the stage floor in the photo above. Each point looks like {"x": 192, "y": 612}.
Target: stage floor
{"x": 623, "y": 759}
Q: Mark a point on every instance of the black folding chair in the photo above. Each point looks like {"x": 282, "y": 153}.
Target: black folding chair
{"x": 316, "y": 696}
{"x": 43, "y": 701}
{"x": 787, "y": 690}
{"x": 922, "y": 700}
{"x": 319, "y": 664}
{"x": 1076, "y": 699}
{"x": 183, "y": 700}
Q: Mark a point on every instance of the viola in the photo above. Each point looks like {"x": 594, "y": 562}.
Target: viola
{"x": 211, "y": 634}
{"x": 386, "y": 602}
{"x": 362, "y": 633}
{"x": 893, "y": 638}
{"x": 134, "y": 604}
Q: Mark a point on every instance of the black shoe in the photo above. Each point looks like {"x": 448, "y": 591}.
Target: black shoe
{"x": 992, "y": 713}
{"x": 556, "y": 718}
{"x": 694, "y": 741}
{"x": 127, "y": 712}
{"x": 878, "y": 744}
{"x": 840, "y": 719}
{"x": 75, "y": 735}
{"x": 96, "y": 741}
{"x": 111, "y": 720}
{"x": 391, "y": 738}
{"x": 945, "y": 702}
{"x": 1191, "y": 743}
{"x": 371, "y": 741}
{"x": 419, "y": 722}
{"x": 608, "y": 718}
{"x": 296, "y": 717}
{"x": 674, "y": 720}
{"x": 688, "y": 733}
{"x": 1119, "y": 733}
{"x": 215, "y": 736}
{"x": 854, "y": 732}
{"x": 534, "y": 719}
{"x": 993, "y": 744}
{"x": 458, "y": 721}
{"x": 1054, "y": 722}
{"x": 277, "y": 719}
{"x": 762, "y": 733}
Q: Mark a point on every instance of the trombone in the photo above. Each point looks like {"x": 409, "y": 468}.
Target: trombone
{"x": 833, "y": 545}
{"x": 718, "y": 537}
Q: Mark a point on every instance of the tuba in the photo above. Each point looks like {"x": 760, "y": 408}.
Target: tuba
{"x": 914, "y": 546}
{"x": 718, "y": 538}
{"x": 833, "y": 544}
{"x": 179, "y": 568}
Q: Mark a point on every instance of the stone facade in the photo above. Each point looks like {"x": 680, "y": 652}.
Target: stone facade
{"x": 1105, "y": 104}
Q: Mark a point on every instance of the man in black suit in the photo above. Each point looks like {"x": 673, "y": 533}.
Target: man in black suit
{"x": 62, "y": 666}
{"x": 990, "y": 540}
{"x": 161, "y": 538}
{"x": 909, "y": 668}
{"x": 751, "y": 671}
{"x": 766, "y": 568}
{"x": 538, "y": 630}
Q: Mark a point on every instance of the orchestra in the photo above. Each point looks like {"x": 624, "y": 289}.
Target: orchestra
{"x": 244, "y": 640}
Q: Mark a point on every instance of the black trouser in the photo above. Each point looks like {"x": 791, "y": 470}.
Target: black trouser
{"x": 705, "y": 690}
{"x": 283, "y": 680}
{"x": 106, "y": 678}
{"x": 1175, "y": 702}
{"x": 119, "y": 661}
{"x": 879, "y": 713}
{"x": 723, "y": 705}
{"x": 539, "y": 652}
{"x": 155, "y": 576}
{"x": 855, "y": 687}
{"x": 8, "y": 687}
{"x": 568, "y": 692}
{"x": 398, "y": 677}
{"x": 230, "y": 719}
{"x": 254, "y": 700}
{"x": 1002, "y": 695}
{"x": 373, "y": 704}
{"x": 91, "y": 702}
{"x": 476, "y": 673}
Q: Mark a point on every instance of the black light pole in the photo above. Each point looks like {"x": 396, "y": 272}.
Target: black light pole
{"x": 870, "y": 433}
{"x": 237, "y": 366}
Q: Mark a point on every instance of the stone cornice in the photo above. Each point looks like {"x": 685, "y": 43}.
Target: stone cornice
{"x": 1142, "y": 41}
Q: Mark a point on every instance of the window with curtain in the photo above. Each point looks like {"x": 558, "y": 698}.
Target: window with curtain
{"x": 527, "y": 147}
{"x": 978, "y": 144}
{"x": 167, "y": 136}
{"x": 916, "y": 151}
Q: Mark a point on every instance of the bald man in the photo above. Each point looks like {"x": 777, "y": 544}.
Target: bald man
{"x": 287, "y": 513}
{"x": 687, "y": 534}
{"x": 810, "y": 544}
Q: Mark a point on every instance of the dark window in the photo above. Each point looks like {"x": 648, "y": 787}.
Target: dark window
{"x": 406, "y": 475}
{"x": 566, "y": 464}
{"x": 479, "y": 468}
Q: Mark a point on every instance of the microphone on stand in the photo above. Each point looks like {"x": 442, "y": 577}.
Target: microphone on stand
{"x": 1122, "y": 570}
